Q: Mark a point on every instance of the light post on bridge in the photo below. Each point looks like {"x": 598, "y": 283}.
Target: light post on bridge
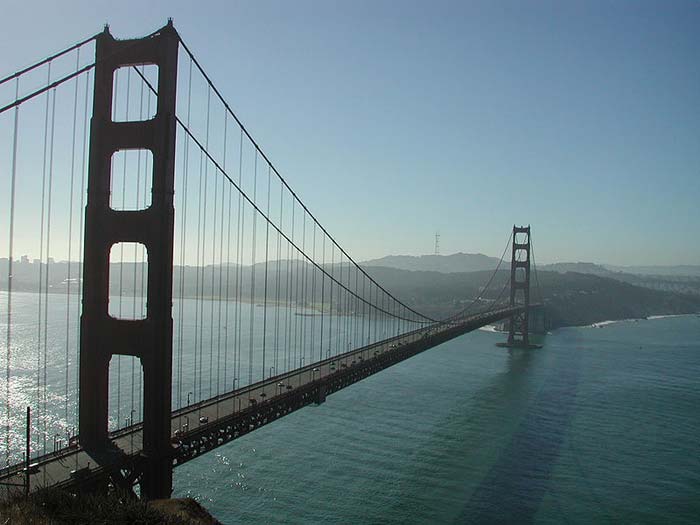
{"x": 131, "y": 417}
{"x": 263, "y": 395}
{"x": 188, "y": 398}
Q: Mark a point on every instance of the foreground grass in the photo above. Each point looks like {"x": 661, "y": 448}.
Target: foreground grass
{"x": 58, "y": 508}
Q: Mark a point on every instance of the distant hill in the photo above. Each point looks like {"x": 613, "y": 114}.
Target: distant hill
{"x": 578, "y": 267}
{"x": 455, "y": 263}
{"x": 685, "y": 270}
{"x": 680, "y": 279}
{"x": 477, "y": 262}
{"x": 571, "y": 298}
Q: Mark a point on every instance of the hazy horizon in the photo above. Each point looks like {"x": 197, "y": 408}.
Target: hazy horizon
{"x": 31, "y": 260}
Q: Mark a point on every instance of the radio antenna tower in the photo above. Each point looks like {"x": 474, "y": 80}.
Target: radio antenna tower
{"x": 437, "y": 244}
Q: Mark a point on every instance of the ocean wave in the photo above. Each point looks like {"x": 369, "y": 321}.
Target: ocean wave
{"x": 652, "y": 317}
{"x": 490, "y": 328}
{"x": 601, "y": 324}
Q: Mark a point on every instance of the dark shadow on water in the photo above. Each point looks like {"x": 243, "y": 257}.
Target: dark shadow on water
{"x": 513, "y": 489}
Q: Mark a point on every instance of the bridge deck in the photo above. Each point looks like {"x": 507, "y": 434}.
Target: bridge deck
{"x": 203, "y": 426}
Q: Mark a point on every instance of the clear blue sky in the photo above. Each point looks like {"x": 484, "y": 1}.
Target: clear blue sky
{"x": 396, "y": 119}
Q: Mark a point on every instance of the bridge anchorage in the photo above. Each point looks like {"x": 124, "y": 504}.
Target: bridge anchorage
{"x": 284, "y": 313}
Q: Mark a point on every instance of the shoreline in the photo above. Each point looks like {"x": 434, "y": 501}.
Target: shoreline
{"x": 315, "y": 311}
{"x": 601, "y": 324}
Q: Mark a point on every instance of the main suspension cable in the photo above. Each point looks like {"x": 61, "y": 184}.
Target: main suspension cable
{"x": 283, "y": 181}
{"x": 49, "y": 59}
{"x": 481, "y": 294}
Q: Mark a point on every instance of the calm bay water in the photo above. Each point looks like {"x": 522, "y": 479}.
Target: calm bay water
{"x": 216, "y": 346}
{"x": 599, "y": 426}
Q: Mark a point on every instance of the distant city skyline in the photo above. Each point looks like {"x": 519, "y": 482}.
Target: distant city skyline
{"x": 394, "y": 121}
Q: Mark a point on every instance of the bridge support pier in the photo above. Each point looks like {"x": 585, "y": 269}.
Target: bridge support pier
{"x": 103, "y": 336}
{"x": 321, "y": 393}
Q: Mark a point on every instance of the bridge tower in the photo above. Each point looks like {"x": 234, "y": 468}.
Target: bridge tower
{"x": 519, "y": 331}
{"x": 102, "y": 336}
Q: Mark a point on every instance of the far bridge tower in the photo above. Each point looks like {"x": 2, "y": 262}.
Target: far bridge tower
{"x": 519, "y": 325}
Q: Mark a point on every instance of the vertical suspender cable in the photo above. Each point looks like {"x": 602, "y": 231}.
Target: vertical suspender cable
{"x": 144, "y": 262}
{"x": 323, "y": 297}
{"x": 294, "y": 295}
{"x": 356, "y": 306}
{"x": 183, "y": 245}
{"x": 137, "y": 313}
{"x": 348, "y": 314}
{"x": 121, "y": 252}
{"x": 201, "y": 242}
{"x": 83, "y": 172}
{"x": 70, "y": 236}
{"x": 239, "y": 257}
{"x": 302, "y": 318}
{"x": 41, "y": 242}
{"x": 48, "y": 251}
{"x": 227, "y": 330}
{"x": 204, "y": 249}
{"x": 288, "y": 303}
{"x": 252, "y": 272}
{"x": 267, "y": 253}
{"x": 9, "y": 278}
{"x": 340, "y": 311}
{"x": 366, "y": 313}
{"x": 228, "y": 259}
{"x": 213, "y": 280}
{"x": 221, "y": 275}
{"x": 330, "y": 300}
{"x": 372, "y": 315}
{"x": 195, "y": 391}
{"x": 277, "y": 290}
{"x": 341, "y": 306}
{"x": 313, "y": 295}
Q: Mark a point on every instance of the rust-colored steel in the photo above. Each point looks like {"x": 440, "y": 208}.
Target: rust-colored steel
{"x": 102, "y": 336}
{"x": 519, "y": 332}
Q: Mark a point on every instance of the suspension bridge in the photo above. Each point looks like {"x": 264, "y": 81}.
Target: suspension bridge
{"x": 195, "y": 298}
